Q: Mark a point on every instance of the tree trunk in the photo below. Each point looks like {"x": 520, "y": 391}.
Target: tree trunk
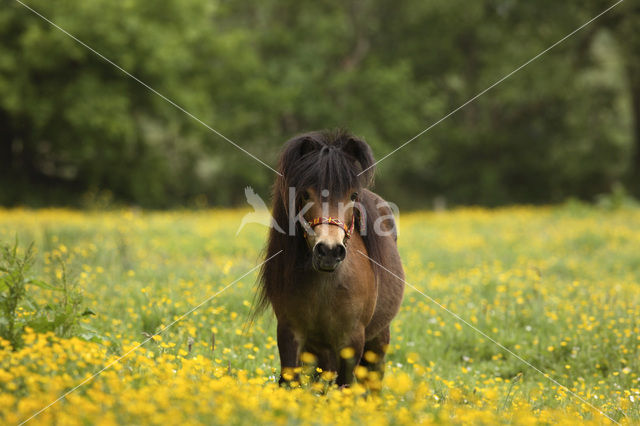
{"x": 634, "y": 87}
{"x": 6, "y": 141}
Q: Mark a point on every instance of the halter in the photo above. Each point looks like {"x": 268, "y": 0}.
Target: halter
{"x": 329, "y": 220}
{"x": 348, "y": 230}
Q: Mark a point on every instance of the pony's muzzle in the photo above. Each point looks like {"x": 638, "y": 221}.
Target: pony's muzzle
{"x": 327, "y": 258}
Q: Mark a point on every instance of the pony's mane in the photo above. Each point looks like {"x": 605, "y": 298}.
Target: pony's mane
{"x": 330, "y": 160}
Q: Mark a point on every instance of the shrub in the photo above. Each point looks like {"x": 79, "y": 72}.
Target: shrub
{"x": 21, "y": 308}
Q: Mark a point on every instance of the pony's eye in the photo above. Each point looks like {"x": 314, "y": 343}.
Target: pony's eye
{"x": 354, "y": 196}
{"x": 306, "y": 196}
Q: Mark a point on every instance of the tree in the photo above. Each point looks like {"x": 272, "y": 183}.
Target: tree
{"x": 260, "y": 73}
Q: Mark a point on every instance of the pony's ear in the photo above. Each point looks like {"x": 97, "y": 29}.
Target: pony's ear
{"x": 293, "y": 152}
{"x": 295, "y": 149}
{"x": 360, "y": 151}
{"x": 307, "y": 145}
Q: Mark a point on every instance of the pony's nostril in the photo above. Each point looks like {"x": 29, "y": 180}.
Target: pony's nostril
{"x": 336, "y": 253}
{"x": 321, "y": 250}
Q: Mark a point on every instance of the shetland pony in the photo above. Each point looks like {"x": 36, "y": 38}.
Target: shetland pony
{"x": 338, "y": 280}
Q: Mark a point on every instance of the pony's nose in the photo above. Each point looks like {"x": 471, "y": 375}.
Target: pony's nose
{"x": 329, "y": 257}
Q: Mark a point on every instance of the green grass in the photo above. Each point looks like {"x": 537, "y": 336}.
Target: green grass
{"x": 558, "y": 286}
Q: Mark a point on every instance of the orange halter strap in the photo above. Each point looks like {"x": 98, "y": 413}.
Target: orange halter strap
{"x": 348, "y": 230}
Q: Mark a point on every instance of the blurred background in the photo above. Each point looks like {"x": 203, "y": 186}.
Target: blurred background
{"x": 76, "y": 131}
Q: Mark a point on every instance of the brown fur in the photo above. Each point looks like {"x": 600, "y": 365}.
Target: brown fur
{"x": 323, "y": 312}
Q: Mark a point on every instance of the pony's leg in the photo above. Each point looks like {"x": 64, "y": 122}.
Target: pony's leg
{"x": 327, "y": 360}
{"x": 378, "y": 345}
{"x": 289, "y": 353}
{"x": 346, "y": 366}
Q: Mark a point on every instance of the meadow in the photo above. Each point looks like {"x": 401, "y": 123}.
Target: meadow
{"x": 558, "y": 286}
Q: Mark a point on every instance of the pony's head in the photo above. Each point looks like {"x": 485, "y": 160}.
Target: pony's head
{"x": 322, "y": 173}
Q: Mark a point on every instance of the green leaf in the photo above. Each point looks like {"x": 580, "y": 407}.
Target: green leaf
{"x": 87, "y": 312}
{"x": 30, "y": 303}
{"x": 42, "y": 284}
{"x": 91, "y": 334}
